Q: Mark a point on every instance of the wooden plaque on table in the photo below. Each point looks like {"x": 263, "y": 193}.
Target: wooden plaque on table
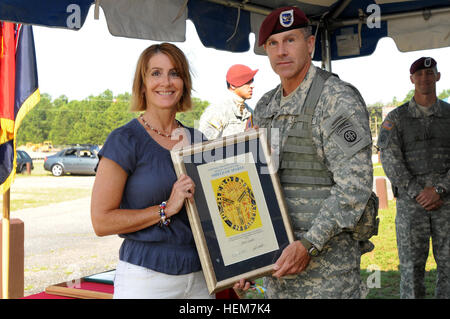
{"x": 70, "y": 289}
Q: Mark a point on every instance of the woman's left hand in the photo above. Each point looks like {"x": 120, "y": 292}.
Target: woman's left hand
{"x": 182, "y": 189}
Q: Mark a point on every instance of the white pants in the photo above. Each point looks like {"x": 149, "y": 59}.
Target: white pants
{"x": 136, "y": 282}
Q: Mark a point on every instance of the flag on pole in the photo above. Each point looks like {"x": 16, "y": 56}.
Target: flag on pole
{"x": 19, "y": 91}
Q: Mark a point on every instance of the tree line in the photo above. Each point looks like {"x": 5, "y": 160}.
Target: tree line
{"x": 85, "y": 122}
{"x": 92, "y": 119}
{"x": 375, "y": 110}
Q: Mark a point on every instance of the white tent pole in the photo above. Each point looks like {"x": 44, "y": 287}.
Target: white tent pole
{"x": 326, "y": 50}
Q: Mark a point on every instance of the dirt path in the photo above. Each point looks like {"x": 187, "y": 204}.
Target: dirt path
{"x": 60, "y": 244}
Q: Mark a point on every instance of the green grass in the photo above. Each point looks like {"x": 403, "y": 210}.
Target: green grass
{"x": 36, "y": 197}
{"x": 385, "y": 255}
{"x": 378, "y": 170}
{"x": 385, "y": 258}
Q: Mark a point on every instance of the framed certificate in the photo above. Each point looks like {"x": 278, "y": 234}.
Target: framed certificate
{"x": 238, "y": 217}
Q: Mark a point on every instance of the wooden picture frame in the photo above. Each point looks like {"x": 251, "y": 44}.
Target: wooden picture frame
{"x": 238, "y": 216}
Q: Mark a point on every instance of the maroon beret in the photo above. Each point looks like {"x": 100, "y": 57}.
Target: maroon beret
{"x": 280, "y": 20}
{"x": 422, "y": 63}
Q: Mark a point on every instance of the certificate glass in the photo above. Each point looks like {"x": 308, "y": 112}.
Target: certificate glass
{"x": 238, "y": 217}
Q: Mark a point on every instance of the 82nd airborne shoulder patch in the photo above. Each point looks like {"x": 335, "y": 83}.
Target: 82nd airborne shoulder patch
{"x": 347, "y": 133}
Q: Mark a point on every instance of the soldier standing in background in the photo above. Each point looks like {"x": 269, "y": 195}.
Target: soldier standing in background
{"x": 231, "y": 115}
{"x": 415, "y": 153}
{"x": 325, "y": 164}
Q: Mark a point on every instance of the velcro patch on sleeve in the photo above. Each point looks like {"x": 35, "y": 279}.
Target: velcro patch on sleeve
{"x": 350, "y": 137}
{"x": 385, "y": 134}
{"x": 346, "y": 133}
{"x": 388, "y": 125}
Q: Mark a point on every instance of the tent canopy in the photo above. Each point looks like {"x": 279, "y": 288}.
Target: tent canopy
{"x": 346, "y": 28}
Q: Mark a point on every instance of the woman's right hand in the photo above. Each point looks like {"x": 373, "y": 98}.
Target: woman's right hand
{"x": 182, "y": 189}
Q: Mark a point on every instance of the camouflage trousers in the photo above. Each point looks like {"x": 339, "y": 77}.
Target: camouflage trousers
{"x": 415, "y": 226}
{"x": 334, "y": 274}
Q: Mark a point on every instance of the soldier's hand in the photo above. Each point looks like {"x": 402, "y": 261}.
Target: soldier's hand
{"x": 293, "y": 260}
{"x": 435, "y": 206}
{"x": 241, "y": 287}
{"x": 427, "y": 197}
{"x": 242, "y": 284}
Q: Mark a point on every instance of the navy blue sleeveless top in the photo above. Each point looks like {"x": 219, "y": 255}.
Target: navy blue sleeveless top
{"x": 151, "y": 174}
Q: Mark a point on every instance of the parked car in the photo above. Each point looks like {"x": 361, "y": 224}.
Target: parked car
{"x": 21, "y": 160}
{"x": 74, "y": 160}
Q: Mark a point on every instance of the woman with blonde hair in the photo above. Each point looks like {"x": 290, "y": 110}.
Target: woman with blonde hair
{"x": 137, "y": 194}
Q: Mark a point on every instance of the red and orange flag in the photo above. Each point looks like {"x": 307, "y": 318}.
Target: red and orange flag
{"x": 19, "y": 91}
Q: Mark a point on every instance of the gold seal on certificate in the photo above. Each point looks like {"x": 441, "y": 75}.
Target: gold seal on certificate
{"x": 236, "y": 204}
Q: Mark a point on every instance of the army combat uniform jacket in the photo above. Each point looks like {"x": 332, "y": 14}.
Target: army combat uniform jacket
{"x": 415, "y": 147}
{"x": 415, "y": 153}
{"x": 226, "y": 118}
{"x": 325, "y": 169}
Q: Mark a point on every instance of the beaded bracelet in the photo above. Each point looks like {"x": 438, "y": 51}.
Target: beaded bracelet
{"x": 164, "y": 219}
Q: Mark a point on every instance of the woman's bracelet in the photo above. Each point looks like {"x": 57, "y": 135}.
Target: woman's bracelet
{"x": 164, "y": 220}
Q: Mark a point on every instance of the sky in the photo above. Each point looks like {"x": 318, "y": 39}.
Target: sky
{"x": 89, "y": 61}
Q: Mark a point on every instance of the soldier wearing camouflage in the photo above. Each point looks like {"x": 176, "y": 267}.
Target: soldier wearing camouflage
{"x": 325, "y": 169}
{"x": 225, "y": 118}
{"x": 414, "y": 143}
{"x": 230, "y": 115}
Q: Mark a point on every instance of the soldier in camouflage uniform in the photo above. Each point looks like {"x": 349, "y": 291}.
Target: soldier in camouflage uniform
{"x": 230, "y": 116}
{"x": 325, "y": 164}
{"x": 415, "y": 153}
